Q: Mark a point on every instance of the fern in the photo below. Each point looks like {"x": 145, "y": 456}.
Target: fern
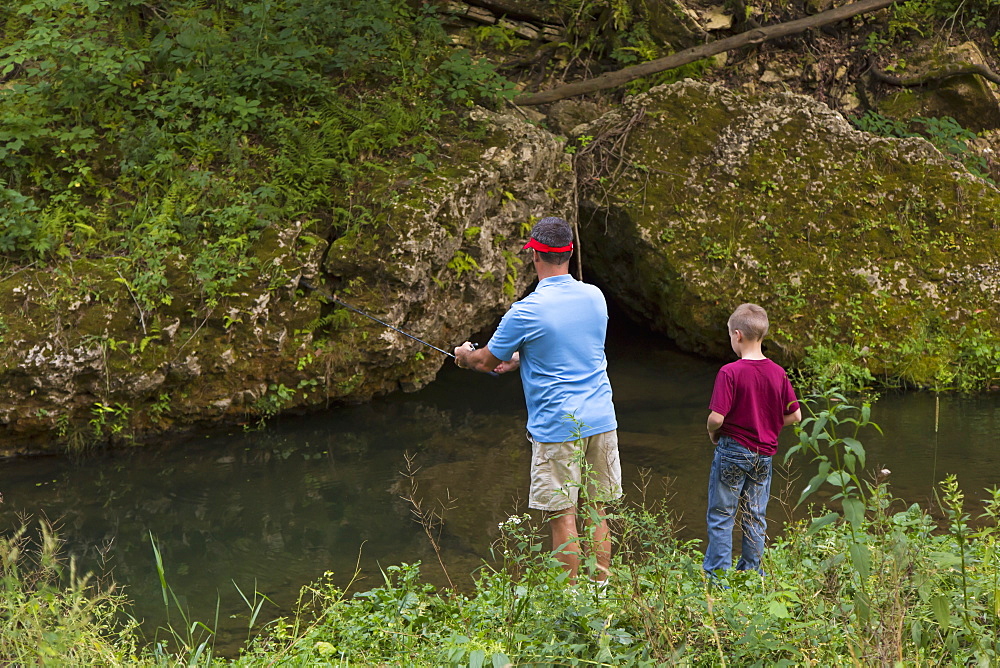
{"x": 349, "y": 118}
{"x": 166, "y": 123}
{"x": 336, "y": 320}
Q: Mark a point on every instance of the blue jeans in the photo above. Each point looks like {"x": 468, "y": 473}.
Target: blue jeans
{"x": 740, "y": 479}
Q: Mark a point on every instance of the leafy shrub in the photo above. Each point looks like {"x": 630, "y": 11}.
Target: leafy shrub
{"x": 945, "y": 133}
{"x": 928, "y": 597}
{"x": 924, "y": 16}
{"x": 183, "y": 130}
{"x": 837, "y": 365}
{"x": 923, "y": 594}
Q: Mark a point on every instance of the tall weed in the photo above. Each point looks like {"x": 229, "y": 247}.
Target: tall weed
{"x": 52, "y": 613}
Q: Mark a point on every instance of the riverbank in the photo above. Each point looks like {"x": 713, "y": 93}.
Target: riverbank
{"x": 930, "y": 596}
{"x": 273, "y": 509}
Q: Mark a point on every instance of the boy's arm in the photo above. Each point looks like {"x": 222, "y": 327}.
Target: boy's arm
{"x": 793, "y": 418}
{"x": 715, "y": 421}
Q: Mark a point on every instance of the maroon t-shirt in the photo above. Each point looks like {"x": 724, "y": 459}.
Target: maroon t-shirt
{"x": 754, "y": 396}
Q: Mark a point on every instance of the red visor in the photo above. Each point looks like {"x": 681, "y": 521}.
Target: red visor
{"x": 542, "y": 248}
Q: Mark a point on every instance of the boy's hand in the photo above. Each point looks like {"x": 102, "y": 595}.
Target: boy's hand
{"x": 715, "y": 421}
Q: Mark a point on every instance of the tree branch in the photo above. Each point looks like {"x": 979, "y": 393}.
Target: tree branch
{"x": 755, "y": 36}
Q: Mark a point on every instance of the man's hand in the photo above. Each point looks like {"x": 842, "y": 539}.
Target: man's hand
{"x": 513, "y": 364}
{"x": 467, "y": 356}
{"x": 462, "y": 354}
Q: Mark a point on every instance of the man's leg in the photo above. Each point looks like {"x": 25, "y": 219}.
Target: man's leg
{"x": 599, "y": 539}
{"x": 565, "y": 540}
{"x": 555, "y": 482}
{"x": 604, "y": 484}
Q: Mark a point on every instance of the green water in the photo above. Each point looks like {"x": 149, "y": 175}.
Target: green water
{"x": 272, "y": 510}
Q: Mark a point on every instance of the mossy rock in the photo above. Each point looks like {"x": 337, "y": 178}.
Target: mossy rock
{"x": 968, "y": 98}
{"x": 439, "y": 258}
{"x": 83, "y": 362}
{"x": 883, "y": 248}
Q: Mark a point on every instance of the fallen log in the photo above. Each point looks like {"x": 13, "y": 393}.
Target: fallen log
{"x": 755, "y": 36}
{"x": 520, "y": 28}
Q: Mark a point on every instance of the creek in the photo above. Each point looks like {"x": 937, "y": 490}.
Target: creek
{"x": 273, "y": 509}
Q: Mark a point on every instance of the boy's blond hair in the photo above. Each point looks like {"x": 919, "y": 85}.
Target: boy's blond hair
{"x": 751, "y": 320}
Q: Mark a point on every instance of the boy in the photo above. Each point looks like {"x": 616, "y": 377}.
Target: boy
{"x": 751, "y": 402}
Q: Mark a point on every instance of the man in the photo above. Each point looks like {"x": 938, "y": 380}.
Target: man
{"x": 556, "y": 336}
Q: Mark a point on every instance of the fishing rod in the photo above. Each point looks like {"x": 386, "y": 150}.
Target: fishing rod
{"x": 326, "y": 295}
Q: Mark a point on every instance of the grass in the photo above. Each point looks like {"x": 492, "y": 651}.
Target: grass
{"x": 932, "y": 597}
{"x": 52, "y": 614}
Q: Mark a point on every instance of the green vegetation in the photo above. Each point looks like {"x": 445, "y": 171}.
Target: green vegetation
{"x": 906, "y": 21}
{"x": 49, "y": 612}
{"x": 923, "y": 17}
{"x": 931, "y": 597}
{"x": 865, "y": 581}
{"x": 946, "y": 133}
{"x": 598, "y": 29}
{"x": 923, "y": 597}
{"x": 932, "y": 358}
{"x": 175, "y": 134}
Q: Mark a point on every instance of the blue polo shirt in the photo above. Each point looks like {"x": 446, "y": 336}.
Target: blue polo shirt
{"x": 559, "y": 329}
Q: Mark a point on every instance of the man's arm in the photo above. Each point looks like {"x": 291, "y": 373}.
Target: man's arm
{"x": 477, "y": 359}
{"x": 715, "y": 421}
{"x": 514, "y": 363}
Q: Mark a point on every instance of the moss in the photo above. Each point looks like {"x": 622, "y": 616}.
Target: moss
{"x": 967, "y": 98}
{"x": 843, "y": 237}
{"x": 902, "y": 106}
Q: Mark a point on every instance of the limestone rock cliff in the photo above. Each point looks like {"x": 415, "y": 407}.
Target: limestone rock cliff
{"x": 81, "y": 363}
{"x": 695, "y": 199}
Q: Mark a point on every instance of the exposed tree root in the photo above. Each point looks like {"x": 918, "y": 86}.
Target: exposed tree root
{"x": 938, "y": 75}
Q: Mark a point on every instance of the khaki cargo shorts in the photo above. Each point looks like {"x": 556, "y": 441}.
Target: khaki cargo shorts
{"x": 560, "y": 470}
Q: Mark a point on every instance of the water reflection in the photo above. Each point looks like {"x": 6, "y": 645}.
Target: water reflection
{"x": 272, "y": 510}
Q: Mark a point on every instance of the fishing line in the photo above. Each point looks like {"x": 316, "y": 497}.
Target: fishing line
{"x": 937, "y": 422}
{"x": 322, "y": 293}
